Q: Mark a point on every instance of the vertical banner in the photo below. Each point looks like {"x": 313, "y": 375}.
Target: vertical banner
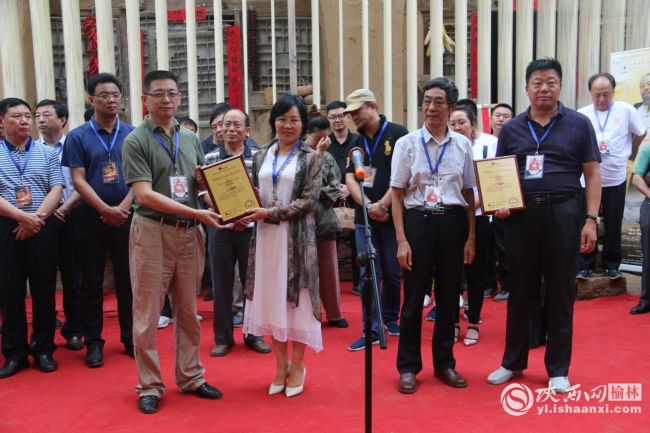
{"x": 629, "y": 68}
{"x": 234, "y": 47}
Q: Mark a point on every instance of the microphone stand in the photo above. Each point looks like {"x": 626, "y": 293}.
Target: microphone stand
{"x": 370, "y": 291}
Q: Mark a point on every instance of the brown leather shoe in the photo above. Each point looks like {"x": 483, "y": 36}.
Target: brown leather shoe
{"x": 407, "y": 383}
{"x": 451, "y": 377}
{"x": 258, "y": 345}
{"x": 220, "y": 350}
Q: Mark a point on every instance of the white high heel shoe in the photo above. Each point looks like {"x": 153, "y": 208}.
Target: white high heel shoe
{"x": 293, "y": 391}
{"x": 277, "y": 389}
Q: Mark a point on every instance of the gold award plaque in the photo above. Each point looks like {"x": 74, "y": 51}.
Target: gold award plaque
{"x": 499, "y": 184}
{"x": 230, "y": 188}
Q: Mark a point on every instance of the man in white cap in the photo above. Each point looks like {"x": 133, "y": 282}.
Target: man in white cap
{"x": 377, "y": 137}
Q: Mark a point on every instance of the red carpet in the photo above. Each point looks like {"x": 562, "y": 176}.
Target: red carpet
{"x": 610, "y": 346}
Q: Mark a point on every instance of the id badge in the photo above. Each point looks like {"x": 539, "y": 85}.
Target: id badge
{"x": 23, "y": 196}
{"x": 534, "y": 167}
{"x": 369, "y": 180}
{"x": 603, "y": 146}
{"x": 110, "y": 173}
{"x": 432, "y": 197}
{"x": 179, "y": 188}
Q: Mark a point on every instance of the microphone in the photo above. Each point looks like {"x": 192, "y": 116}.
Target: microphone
{"x": 356, "y": 156}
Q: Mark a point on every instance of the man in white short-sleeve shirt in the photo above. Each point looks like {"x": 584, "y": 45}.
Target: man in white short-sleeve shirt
{"x": 619, "y": 131}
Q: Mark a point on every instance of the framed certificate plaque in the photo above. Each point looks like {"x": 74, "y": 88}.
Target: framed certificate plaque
{"x": 499, "y": 185}
{"x": 230, "y": 188}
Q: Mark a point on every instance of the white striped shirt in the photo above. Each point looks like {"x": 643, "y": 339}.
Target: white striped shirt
{"x": 42, "y": 173}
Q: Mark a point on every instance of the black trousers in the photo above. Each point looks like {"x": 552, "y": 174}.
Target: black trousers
{"x": 644, "y": 222}
{"x": 96, "y": 241}
{"x": 32, "y": 260}
{"x": 612, "y": 205}
{"x": 503, "y": 271}
{"x": 543, "y": 242}
{"x": 70, "y": 277}
{"x": 481, "y": 274}
{"x": 437, "y": 243}
{"x": 227, "y": 249}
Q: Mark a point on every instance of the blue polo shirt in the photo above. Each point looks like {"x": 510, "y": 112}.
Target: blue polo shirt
{"x": 83, "y": 149}
{"x": 570, "y": 143}
{"x": 42, "y": 172}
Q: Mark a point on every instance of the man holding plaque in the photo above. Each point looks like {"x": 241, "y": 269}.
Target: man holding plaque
{"x": 166, "y": 250}
{"x": 432, "y": 185}
{"x": 554, "y": 146}
{"x": 228, "y": 246}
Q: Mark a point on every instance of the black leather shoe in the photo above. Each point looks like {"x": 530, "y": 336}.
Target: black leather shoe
{"x": 207, "y": 391}
{"x": 128, "y": 348}
{"x": 258, "y": 345}
{"x": 94, "y": 357}
{"x": 641, "y": 308}
{"x": 148, "y": 404}
{"x": 340, "y": 323}
{"x": 75, "y": 343}
{"x": 407, "y": 383}
{"x": 13, "y": 366}
{"x": 45, "y": 363}
{"x": 451, "y": 377}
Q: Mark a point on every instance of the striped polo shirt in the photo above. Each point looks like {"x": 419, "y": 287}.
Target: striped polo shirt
{"x": 42, "y": 173}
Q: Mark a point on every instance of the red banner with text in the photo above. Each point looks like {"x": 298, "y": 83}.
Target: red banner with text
{"x": 233, "y": 44}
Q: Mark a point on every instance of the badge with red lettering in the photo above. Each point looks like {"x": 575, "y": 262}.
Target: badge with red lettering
{"x": 23, "y": 196}
{"x": 534, "y": 167}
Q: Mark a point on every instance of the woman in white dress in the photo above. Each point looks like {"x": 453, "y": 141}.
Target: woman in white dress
{"x": 282, "y": 285}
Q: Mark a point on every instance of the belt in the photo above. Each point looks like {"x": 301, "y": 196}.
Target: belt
{"x": 446, "y": 209}
{"x": 549, "y": 198}
{"x": 178, "y": 223}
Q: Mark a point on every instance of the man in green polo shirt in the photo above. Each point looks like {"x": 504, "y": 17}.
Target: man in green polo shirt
{"x": 166, "y": 247}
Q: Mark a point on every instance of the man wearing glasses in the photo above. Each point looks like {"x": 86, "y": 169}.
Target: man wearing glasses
{"x": 228, "y": 246}
{"x": 93, "y": 151}
{"x": 166, "y": 245}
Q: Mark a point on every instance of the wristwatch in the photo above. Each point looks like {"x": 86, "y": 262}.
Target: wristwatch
{"x": 368, "y": 206}
{"x": 595, "y": 218}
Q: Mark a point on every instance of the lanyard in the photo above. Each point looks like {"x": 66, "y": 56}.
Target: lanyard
{"x": 173, "y": 157}
{"x": 21, "y": 170}
{"x": 377, "y": 140}
{"x": 433, "y": 169}
{"x": 276, "y": 173}
{"x": 602, "y": 127}
{"x": 113, "y": 140}
{"x": 538, "y": 140}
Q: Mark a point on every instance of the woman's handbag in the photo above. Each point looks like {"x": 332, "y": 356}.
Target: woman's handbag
{"x": 345, "y": 215}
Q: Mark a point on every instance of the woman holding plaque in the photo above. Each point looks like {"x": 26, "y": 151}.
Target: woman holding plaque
{"x": 481, "y": 273}
{"x": 282, "y": 284}
{"x": 327, "y": 226}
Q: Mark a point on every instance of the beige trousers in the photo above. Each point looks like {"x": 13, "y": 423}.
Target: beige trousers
{"x": 164, "y": 256}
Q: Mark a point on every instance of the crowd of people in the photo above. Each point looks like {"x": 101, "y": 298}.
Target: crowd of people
{"x": 138, "y": 195}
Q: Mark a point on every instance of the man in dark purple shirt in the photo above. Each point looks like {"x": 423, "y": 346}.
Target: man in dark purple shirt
{"x": 554, "y": 146}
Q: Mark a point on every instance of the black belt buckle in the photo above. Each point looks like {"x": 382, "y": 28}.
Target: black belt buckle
{"x": 435, "y": 209}
{"x": 541, "y": 199}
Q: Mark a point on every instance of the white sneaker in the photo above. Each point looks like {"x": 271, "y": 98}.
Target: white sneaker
{"x": 502, "y": 375}
{"x": 559, "y": 384}
{"x": 199, "y": 317}
{"x": 427, "y": 301}
{"x": 164, "y": 322}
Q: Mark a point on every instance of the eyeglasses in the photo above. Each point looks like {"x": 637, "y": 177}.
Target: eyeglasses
{"x": 334, "y": 117}
{"x": 294, "y": 121}
{"x": 105, "y": 96}
{"x": 435, "y": 102}
{"x": 160, "y": 95}
{"x": 236, "y": 125}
